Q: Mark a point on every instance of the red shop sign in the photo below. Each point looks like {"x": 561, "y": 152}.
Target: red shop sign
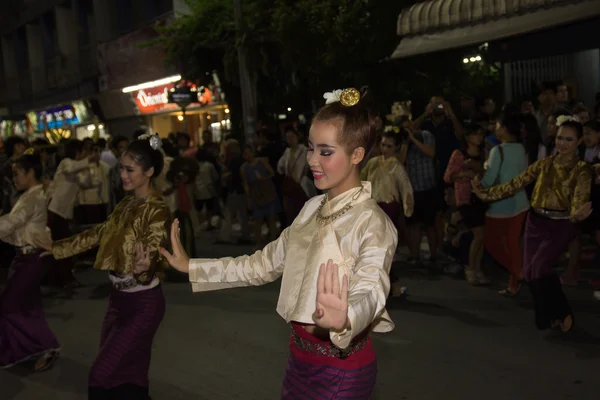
{"x": 155, "y": 100}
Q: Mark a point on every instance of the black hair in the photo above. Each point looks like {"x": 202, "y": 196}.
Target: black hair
{"x": 576, "y": 125}
{"x": 138, "y": 132}
{"x": 545, "y": 86}
{"x": 114, "y": 143}
{"x": 169, "y": 148}
{"x": 293, "y": 130}
{"x": 393, "y": 136}
{"x": 30, "y": 161}
{"x": 72, "y": 147}
{"x": 10, "y": 143}
{"x": 473, "y": 129}
{"x": 40, "y": 142}
{"x": 203, "y": 156}
{"x": 513, "y": 123}
{"x": 593, "y": 124}
{"x": 185, "y": 136}
{"x": 534, "y": 137}
{"x": 143, "y": 154}
{"x": 101, "y": 143}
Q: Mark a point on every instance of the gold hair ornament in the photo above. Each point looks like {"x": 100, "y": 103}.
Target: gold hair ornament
{"x": 29, "y": 151}
{"x": 350, "y": 97}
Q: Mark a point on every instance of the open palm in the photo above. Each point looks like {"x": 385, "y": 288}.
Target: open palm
{"x": 179, "y": 259}
{"x": 331, "y": 310}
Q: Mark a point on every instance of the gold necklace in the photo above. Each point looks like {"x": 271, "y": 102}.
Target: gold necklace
{"x": 324, "y": 220}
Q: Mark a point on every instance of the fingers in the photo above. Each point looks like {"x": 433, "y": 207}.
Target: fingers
{"x": 344, "y": 294}
{"x": 318, "y": 314}
{"x": 329, "y": 277}
{"x": 321, "y": 279}
{"x": 174, "y": 229}
{"x": 335, "y": 288}
{"x": 168, "y": 256}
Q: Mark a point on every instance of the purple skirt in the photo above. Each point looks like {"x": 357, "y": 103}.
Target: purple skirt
{"x": 24, "y": 332}
{"x": 545, "y": 241}
{"x": 129, "y": 326}
{"x": 319, "y": 377}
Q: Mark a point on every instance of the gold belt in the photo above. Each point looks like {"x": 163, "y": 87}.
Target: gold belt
{"x": 26, "y": 250}
{"x": 552, "y": 214}
{"x": 126, "y": 284}
{"x": 329, "y": 349}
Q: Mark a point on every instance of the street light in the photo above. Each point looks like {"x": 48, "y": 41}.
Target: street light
{"x": 289, "y": 109}
{"x": 465, "y": 60}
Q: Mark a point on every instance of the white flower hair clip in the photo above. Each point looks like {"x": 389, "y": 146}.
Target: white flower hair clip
{"x": 348, "y": 97}
{"x": 332, "y": 97}
{"x": 566, "y": 118}
{"x": 154, "y": 140}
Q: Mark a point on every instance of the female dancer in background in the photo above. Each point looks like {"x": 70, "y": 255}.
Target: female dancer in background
{"x": 24, "y": 332}
{"x": 331, "y": 352}
{"x": 136, "y": 304}
{"x": 560, "y": 199}
{"x": 504, "y": 219}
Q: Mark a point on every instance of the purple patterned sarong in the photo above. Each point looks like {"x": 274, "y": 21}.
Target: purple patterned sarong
{"x": 24, "y": 332}
{"x": 319, "y": 377}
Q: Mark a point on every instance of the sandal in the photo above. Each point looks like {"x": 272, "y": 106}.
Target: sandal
{"x": 566, "y": 324}
{"x": 46, "y": 360}
{"x": 509, "y": 293}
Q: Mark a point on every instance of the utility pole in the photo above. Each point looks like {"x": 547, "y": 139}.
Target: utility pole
{"x": 247, "y": 80}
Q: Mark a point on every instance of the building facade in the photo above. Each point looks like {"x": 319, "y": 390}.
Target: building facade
{"x": 64, "y": 65}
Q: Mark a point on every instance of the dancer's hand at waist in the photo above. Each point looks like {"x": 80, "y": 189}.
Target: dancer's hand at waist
{"x": 331, "y": 310}
{"x": 179, "y": 259}
{"x": 141, "y": 259}
{"x": 583, "y": 212}
{"x": 48, "y": 248}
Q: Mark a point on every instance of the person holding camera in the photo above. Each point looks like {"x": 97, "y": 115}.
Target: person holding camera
{"x": 417, "y": 153}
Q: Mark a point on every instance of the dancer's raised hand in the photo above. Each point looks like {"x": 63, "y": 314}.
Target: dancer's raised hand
{"x": 331, "y": 310}
{"x": 179, "y": 259}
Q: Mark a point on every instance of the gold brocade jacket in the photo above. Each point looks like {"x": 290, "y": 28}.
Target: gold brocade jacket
{"x": 361, "y": 242}
{"x": 133, "y": 221}
{"x": 390, "y": 182}
{"x": 562, "y": 184}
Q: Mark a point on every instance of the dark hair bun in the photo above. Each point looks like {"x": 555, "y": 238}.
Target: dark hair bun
{"x": 146, "y": 156}
{"x": 29, "y": 161}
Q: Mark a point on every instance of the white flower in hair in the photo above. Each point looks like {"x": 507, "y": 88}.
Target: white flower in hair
{"x": 154, "y": 140}
{"x": 332, "y": 97}
{"x": 566, "y": 118}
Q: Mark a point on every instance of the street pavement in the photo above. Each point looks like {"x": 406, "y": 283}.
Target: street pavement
{"x": 451, "y": 341}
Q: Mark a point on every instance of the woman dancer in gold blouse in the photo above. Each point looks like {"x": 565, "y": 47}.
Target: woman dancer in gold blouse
{"x": 136, "y": 304}
{"x": 560, "y": 199}
{"x": 332, "y": 308}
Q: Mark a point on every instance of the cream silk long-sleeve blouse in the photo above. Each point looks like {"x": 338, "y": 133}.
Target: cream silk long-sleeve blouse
{"x": 361, "y": 242}
{"x": 25, "y": 225}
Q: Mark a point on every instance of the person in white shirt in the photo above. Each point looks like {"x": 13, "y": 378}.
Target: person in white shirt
{"x": 297, "y": 187}
{"x": 332, "y": 309}
{"x": 92, "y": 200}
{"x": 24, "y": 332}
{"x": 63, "y": 192}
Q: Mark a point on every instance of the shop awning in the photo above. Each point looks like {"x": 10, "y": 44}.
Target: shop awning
{"x": 445, "y": 24}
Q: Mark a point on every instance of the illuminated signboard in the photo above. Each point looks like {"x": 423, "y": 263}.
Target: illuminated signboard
{"x": 57, "y": 118}
{"x": 156, "y": 99}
